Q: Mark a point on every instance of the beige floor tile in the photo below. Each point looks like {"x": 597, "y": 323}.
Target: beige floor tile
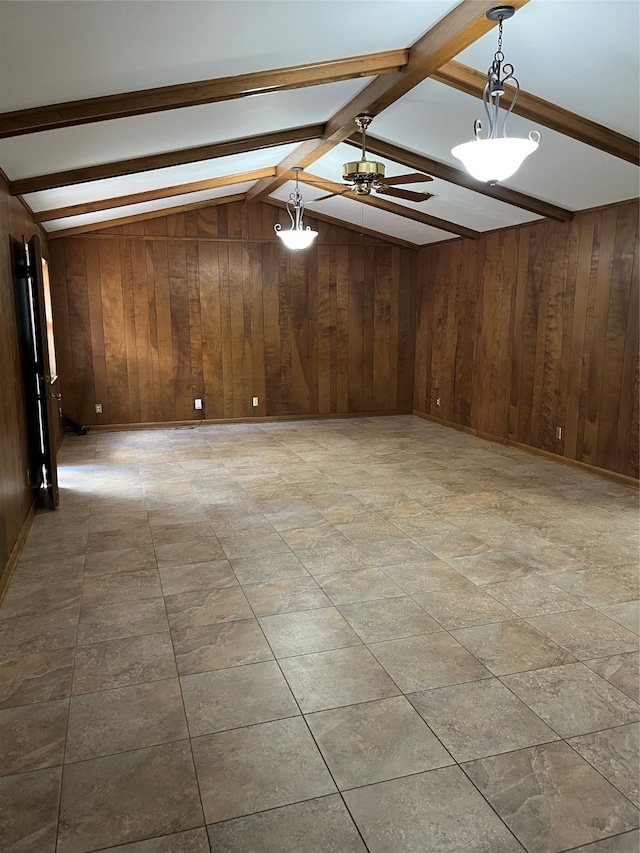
{"x": 313, "y": 536}
{"x": 268, "y": 567}
{"x": 245, "y": 545}
{"x": 125, "y": 718}
{"x": 342, "y": 557}
{"x": 194, "y": 551}
{"x": 371, "y": 530}
{"x": 110, "y": 540}
{"x": 361, "y": 585}
{"x": 427, "y": 661}
{"x": 626, "y": 614}
{"x": 32, "y": 598}
{"x": 194, "y": 577}
{"x": 29, "y": 811}
{"x": 100, "y": 522}
{"x": 573, "y": 699}
{"x": 46, "y": 568}
{"x": 240, "y": 696}
{"x": 27, "y": 635}
{"x": 32, "y": 737}
{"x": 122, "y": 662}
{"x": 494, "y": 566}
{"x": 388, "y": 619}
{"x": 533, "y": 596}
{"x": 258, "y": 767}
{"x": 285, "y": 596}
{"x": 615, "y": 754}
{"x": 628, "y": 842}
{"x": 388, "y": 552}
{"x": 127, "y": 586}
{"x": 586, "y": 633}
{"x": 202, "y": 648}
{"x": 97, "y": 793}
{"x": 124, "y": 619}
{"x": 38, "y": 677}
{"x": 480, "y": 718}
{"x": 511, "y": 646}
{"x": 375, "y": 741}
{"x": 191, "y": 841}
{"x": 207, "y": 607}
{"x": 423, "y": 813}
{"x": 463, "y": 606}
{"x": 308, "y": 631}
{"x": 322, "y": 825}
{"x": 335, "y": 678}
{"x": 171, "y": 534}
{"x": 551, "y": 798}
{"x": 121, "y": 560}
{"x": 623, "y": 671}
{"x": 597, "y": 586}
{"x": 424, "y": 576}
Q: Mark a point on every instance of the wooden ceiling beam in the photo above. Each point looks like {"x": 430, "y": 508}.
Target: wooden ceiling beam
{"x": 152, "y": 195}
{"x": 461, "y": 178}
{"x": 460, "y": 28}
{"x": 472, "y": 82}
{"x": 145, "y": 101}
{"x": 164, "y": 160}
{"x": 139, "y": 217}
{"x": 350, "y": 226}
{"x": 374, "y": 200}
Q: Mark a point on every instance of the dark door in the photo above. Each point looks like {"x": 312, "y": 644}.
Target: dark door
{"x": 40, "y": 372}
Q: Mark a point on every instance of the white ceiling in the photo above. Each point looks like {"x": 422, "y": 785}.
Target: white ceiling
{"x": 580, "y": 54}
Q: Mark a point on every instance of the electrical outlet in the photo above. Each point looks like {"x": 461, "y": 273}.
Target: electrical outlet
{"x": 558, "y": 432}
{"x": 256, "y": 402}
{"x": 197, "y": 403}
{"x": 98, "y": 408}
{"x": 438, "y": 401}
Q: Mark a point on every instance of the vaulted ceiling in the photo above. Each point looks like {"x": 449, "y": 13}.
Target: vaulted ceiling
{"x": 113, "y": 111}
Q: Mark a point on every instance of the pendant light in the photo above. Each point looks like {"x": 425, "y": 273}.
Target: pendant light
{"x": 297, "y": 237}
{"x": 498, "y": 156}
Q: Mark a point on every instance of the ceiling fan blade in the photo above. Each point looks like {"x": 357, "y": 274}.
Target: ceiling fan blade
{"x": 409, "y": 195}
{"x": 412, "y": 178}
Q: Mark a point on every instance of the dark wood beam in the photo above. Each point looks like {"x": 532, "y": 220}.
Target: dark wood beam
{"x": 146, "y": 101}
{"x": 164, "y": 160}
{"x": 374, "y": 200}
{"x": 152, "y": 195}
{"x": 350, "y": 226}
{"x": 155, "y": 214}
{"x": 461, "y": 178}
{"x": 461, "y": 27}
{"x": 472, "y": 82}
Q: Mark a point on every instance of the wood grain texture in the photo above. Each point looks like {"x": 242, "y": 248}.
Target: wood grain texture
{"x": 209, "y": 304}
{"x": 15, "y": 494}
{"x": 534, "y": 328}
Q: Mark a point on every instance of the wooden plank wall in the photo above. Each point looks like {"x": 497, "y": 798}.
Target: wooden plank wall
{"x": 15, "y": 494}
{"x": 207, "y": 304}
{"x": 534, "y": 328}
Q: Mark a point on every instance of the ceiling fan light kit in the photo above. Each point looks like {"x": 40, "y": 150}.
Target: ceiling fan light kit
{"x": 297, "y": 237}
{"x": 499, "y": 156}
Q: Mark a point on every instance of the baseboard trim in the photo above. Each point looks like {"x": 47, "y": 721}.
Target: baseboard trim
{"x": 14, "y": 556}
{"x": 623, "y": 479}
{"x": 258, "y": 420}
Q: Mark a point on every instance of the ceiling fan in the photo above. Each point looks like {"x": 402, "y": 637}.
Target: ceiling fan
{"x": 365, "y": 175}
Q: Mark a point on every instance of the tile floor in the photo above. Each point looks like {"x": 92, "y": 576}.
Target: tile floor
{"x": 321, "y": 637}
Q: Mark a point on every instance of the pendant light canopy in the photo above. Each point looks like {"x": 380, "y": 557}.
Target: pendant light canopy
{"x": 297, "y": 237}
{"x": 498, "y": 156}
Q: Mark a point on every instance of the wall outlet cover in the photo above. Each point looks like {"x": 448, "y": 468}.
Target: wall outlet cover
{"x": 98, "y": 408}
{"x": 256, "y": 402}
{"x": 197, "y": 403}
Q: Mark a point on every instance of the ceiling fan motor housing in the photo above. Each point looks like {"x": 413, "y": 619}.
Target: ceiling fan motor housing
{"x": 363, "y": 173}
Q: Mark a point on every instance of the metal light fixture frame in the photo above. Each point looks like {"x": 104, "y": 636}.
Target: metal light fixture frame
{"x": 504, "y": 147}
{"x": 297, "y": 237}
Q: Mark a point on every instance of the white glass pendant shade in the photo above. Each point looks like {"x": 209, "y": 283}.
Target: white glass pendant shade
{"x": 297, "y": 239}
{"x": 493, "y": 160}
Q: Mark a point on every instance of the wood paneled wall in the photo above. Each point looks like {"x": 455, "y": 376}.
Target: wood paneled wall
{"x": 15, "y": 494}
{"x": 534, "y": 328}
{"x": 207, "y": 304}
